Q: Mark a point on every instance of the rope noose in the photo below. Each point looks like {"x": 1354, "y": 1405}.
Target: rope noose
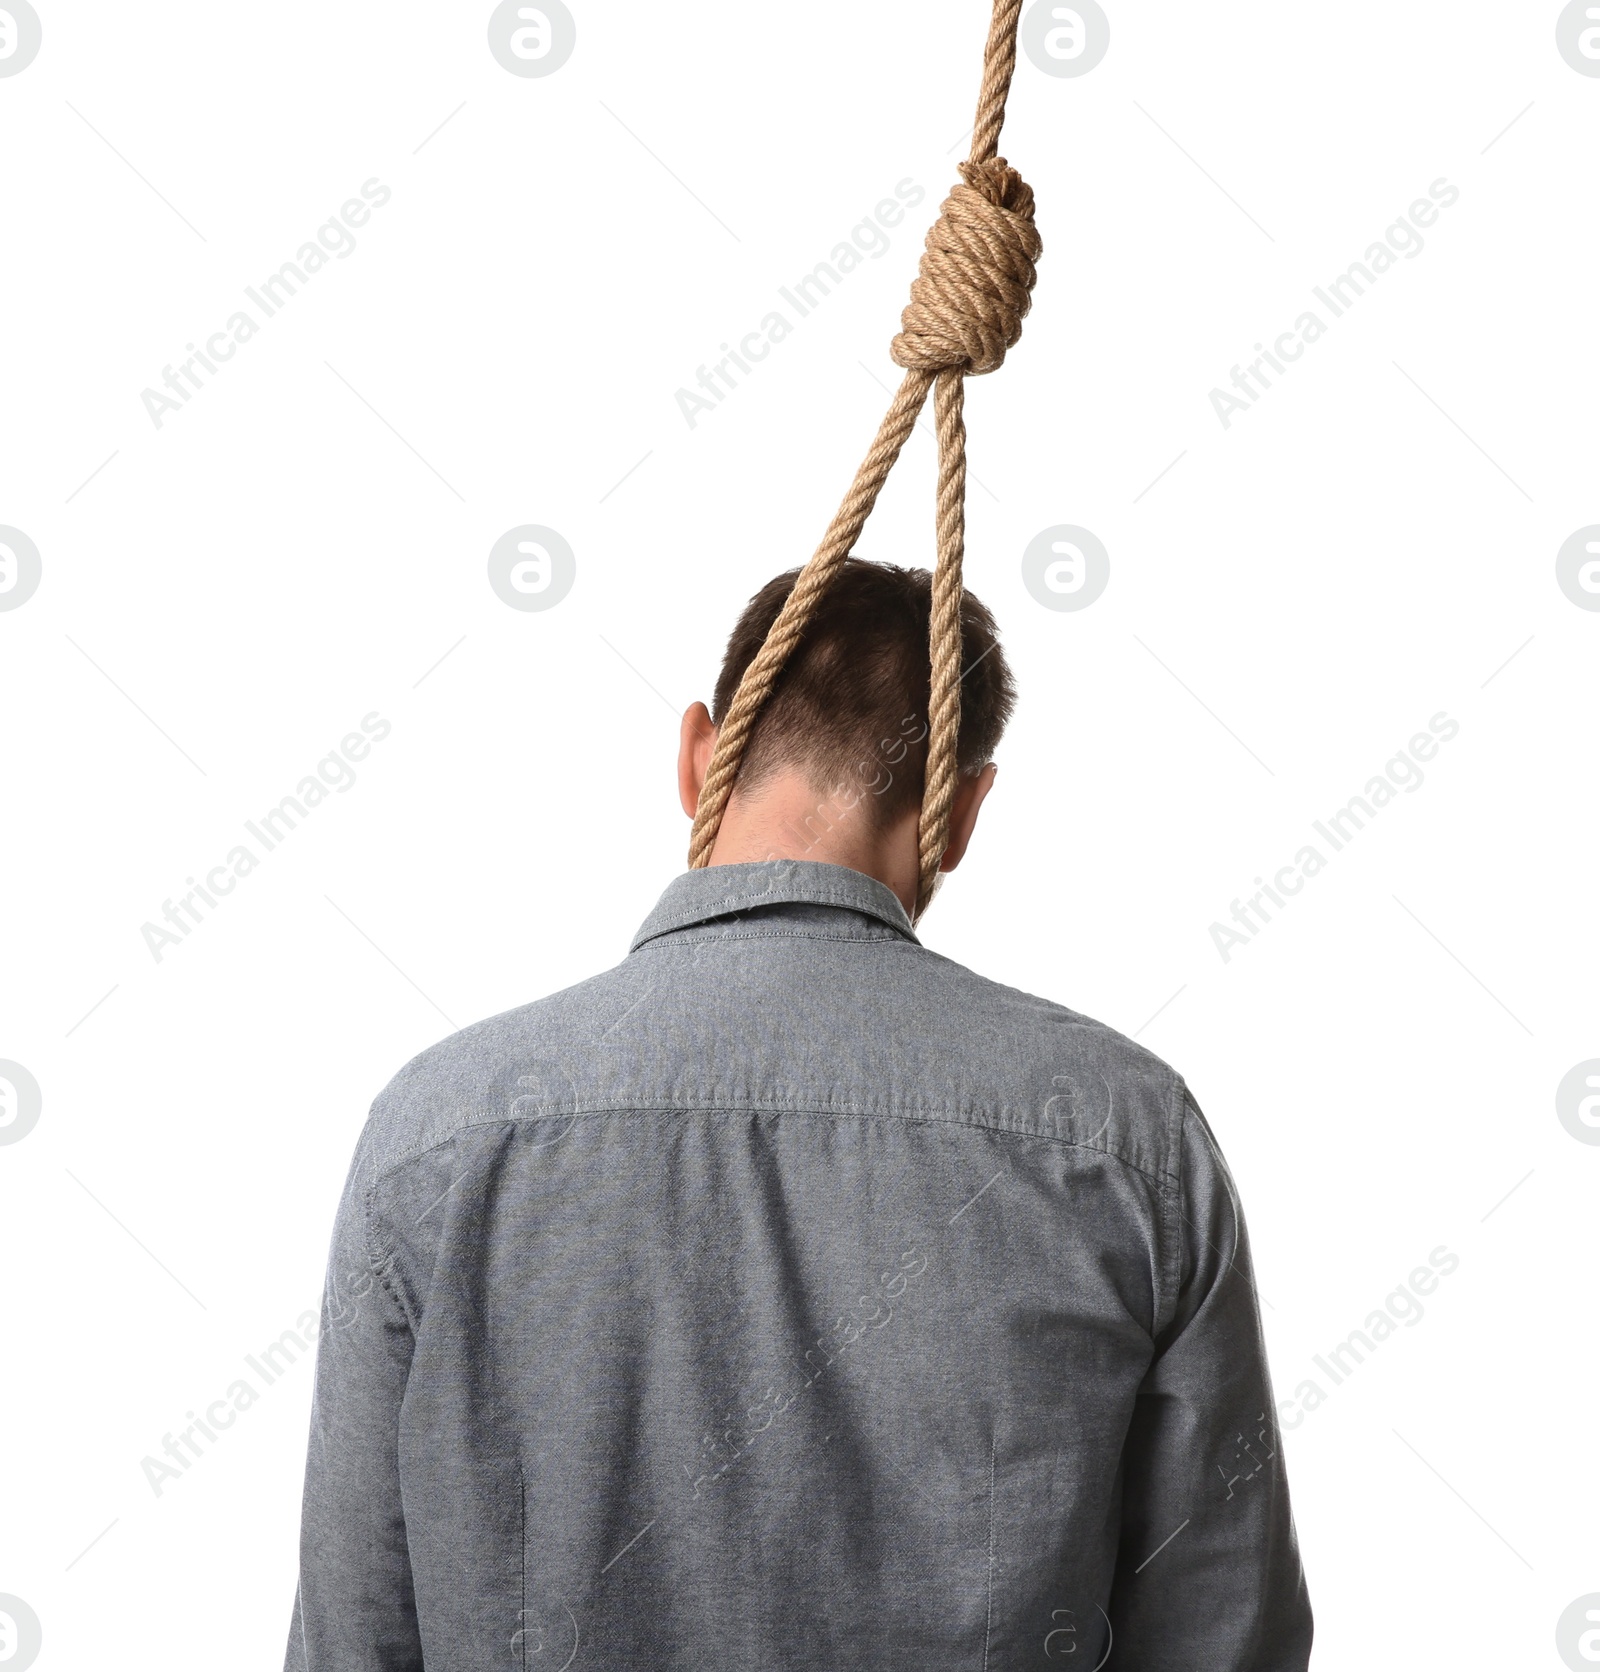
{"x": 972, "y": 288}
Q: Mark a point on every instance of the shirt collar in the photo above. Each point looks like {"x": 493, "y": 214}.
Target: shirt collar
{"x": 719, "y": 890}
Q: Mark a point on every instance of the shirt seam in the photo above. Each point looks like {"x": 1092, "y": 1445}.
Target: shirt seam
{"x": 684, "y": 936}
{"x": 1172, "y": 1212}
{"x": 381, "y": 1264}
{"x": 1167, "y": 1185}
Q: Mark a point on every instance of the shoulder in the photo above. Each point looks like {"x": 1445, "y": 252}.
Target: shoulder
{"x": 485, "y": 1074}
{"x": 1069, "y": 1076}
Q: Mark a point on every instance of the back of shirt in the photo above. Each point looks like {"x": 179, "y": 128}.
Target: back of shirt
{"x": 790, "y": 1296}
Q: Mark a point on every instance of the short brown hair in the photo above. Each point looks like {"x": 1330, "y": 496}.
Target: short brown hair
{"x": 850, "y": 708}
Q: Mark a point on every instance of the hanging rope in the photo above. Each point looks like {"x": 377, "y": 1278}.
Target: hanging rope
{"x": 972, "y": 288}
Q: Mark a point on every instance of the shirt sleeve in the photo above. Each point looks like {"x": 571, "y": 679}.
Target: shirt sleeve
{"x": 354, "y": 1610}
{"x": 1208, "y": 1567}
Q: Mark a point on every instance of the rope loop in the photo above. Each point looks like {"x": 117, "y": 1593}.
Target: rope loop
{"x": 975, "y": 281}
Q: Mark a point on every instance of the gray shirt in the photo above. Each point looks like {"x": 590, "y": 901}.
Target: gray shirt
{"x": 790, "y": 1296}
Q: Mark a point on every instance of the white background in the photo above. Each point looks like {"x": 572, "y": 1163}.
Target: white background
{"x": 1288, "y": 604}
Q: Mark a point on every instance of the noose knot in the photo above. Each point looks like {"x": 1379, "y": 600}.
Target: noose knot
{"x": 975, "y": 280}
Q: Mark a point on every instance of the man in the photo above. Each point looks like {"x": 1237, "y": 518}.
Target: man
{"x": 790, "y": 1296}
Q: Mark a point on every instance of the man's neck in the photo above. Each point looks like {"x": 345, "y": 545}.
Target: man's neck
{"x": 784, "y": 817}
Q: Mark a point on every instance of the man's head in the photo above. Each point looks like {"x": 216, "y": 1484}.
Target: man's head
{"x": 834, "y": 767}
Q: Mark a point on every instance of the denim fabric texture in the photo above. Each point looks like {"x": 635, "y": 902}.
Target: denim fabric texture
{"x": 791, "y": 1297}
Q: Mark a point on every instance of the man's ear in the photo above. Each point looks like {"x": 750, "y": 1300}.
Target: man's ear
{"x": 970, "y": 793}
{"x": 696, "y": 739}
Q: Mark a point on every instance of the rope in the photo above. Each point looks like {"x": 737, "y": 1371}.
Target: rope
{"x": 973, "y": 286}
